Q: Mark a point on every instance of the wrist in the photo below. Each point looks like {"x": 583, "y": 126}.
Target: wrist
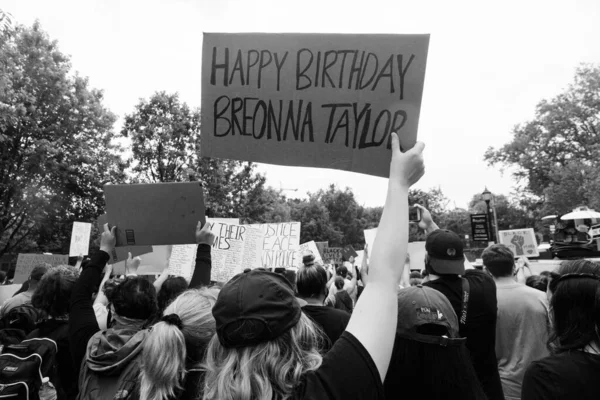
{"x": 107, "y": 249}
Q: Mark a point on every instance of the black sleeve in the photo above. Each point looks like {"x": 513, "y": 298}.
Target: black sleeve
{"x": 347, "y": 372}
{"x": 201, "y": 276}
{"x": 538, "y": 384}
{"x": 82, "y": 319}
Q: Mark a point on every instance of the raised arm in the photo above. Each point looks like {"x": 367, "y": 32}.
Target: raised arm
{"x": 374, "y": 319}
{"x": 205, "y": 239}
{"x": 426, "y": 223}
{"x": 100, "y": 296}
{"x": 82, "y": 319}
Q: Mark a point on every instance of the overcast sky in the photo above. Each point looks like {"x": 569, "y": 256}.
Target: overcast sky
{"x": 488, "y": 65}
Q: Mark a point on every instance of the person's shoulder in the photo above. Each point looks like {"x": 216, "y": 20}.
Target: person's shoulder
{"x": 479, "y": 278}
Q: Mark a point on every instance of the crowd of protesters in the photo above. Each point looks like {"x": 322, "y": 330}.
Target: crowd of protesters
{"x": 372, "y": 331}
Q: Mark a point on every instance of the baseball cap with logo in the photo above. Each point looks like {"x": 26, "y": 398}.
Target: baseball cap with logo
{"x": 445, "y": 251}
{"x": 255, "y": 307}
{"x": 421, "y": 307}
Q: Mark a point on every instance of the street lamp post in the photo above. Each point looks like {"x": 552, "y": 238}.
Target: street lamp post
{"x": 487, "y": 197}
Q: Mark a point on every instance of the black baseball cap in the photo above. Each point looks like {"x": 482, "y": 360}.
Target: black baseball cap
{"x": 445, "y": 251}
{"x": 419, "y": 306}
{"x": 255, "y": 307}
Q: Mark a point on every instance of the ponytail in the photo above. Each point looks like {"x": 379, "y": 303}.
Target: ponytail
{"x": 163, "y": 356}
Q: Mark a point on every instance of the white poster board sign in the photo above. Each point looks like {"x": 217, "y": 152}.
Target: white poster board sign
{"x": 522, "y": 242}
{"x": 310, "y": 247}
{"x": 182, "y": 260}
{"x": 370, "y": 239}
{"x": 80, "y": 239}
{"x": 236, "y": 248}
{"x": 281, "y": 244}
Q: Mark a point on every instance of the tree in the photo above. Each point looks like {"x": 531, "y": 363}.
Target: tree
{"x": 566, "y": 129}
{"x": 165, "y": 136}
{"x": 55, "y": 144}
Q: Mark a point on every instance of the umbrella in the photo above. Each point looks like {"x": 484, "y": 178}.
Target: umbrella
{"x": 581, "y": 214}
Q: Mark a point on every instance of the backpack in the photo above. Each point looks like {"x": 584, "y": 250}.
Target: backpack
{"x": 93, "y": 385}
{"x": 23, "y": 317}
{"x": 25, "y": 368}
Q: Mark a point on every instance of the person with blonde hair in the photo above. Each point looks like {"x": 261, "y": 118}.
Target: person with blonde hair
{"x": 266, "y": 348}
{"x": 182, "y": 333}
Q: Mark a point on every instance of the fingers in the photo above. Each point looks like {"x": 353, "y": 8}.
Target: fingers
{"x": 418, "y": 148}
{"x": 113, "y": 230}
{"x": 395, "y": 145}
{"x": 129, "y": 256}
{"x": 199, "y": 226}
{"x": 106, "y": 228}
{"x": 420, "y": 206}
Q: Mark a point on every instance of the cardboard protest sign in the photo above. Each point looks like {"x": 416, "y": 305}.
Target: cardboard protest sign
{"x": 348, "y": 252}
{"x": 182, "y": 260}
{"x": 236, "y": 248}
{"x": 235, "y": 221}
{"x": 121, "y": 253}
{"x": 309, "y": 247}
{"x": 335, "y": 254}
{"x": 26, "y": 263}
{"x": 156, "y": 213}
{"x": 80, "y": 239}
{"x": 281, "y": 244}
{"x": 316, "y": 100}
{"x": 522, "y": 242}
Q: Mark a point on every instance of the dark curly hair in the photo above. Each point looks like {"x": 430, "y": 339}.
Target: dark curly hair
{"x": 169, "y": 291}
{"x": 53, "y": 293}
{"x": 134, "y": 298}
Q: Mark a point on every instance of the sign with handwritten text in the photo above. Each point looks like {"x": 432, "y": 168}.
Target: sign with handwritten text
{"x": 236, "y": 248}
{"x": 281, "y": 245}
{"x": 26, "y": 263}
{"x": 80, "y": 239}
{"x": 316, "y": 100}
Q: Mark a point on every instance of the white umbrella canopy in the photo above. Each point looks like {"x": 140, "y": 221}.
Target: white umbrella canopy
{"x": 581, "y": 214}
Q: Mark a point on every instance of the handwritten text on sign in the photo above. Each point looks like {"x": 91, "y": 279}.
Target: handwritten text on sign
{"x": 80, "y": 239}
{"x": 282, "y": 244}
{"x": 26, "y": 263}
{"x": 236, "y": 248}
{"x": 321, "y": 100}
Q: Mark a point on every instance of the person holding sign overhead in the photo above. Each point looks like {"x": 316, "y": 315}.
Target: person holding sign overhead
{"x": 266, "y": 347}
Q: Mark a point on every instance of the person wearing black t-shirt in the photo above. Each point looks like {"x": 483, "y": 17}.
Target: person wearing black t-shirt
{"x": 311, "y": 284}
{"x": 266, "y": 347}
{"x": 572, "y": 371}
{"x": 444, "y": 263}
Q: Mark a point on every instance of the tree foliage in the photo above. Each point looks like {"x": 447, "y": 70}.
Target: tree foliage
{"x": 565, "y": 130}
{"x": 55, "y": 143}
{"x": 165, "y": 136}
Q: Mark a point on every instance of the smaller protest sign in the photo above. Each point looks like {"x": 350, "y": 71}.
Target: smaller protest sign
{"x": 26, "y": 263}
{"x": 281, "y": 244}
{"x": 310, "y": 247}
{"x": 154, "y": 260}
{"x": 480, "y": 227}
{"x": 522, "y": 242}
{"x": 236, "y": 248}
{"x": 416, "y": 251}
{"x": 370, "y": 239}
{"x": 182, "y": 260}
{"x": 349, "y": 252}
{"x": 80, "y": 239}
{"x": 333, "y": 255}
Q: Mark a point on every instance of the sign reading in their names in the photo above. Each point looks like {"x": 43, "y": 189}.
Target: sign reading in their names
{"x": 80, "y": 239}
{"x": 317, "y": 100}
{"x": 522, "y": 242}
{"x": 282, "y": 244}
{"x": 236, "y": 248}
{"x": 26, "y": 263}
{"x": 480, "y": 227}
{"x": 333, "y": 255}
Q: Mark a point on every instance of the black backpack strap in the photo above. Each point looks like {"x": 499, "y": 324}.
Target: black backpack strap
{"x": 465, "y": 302}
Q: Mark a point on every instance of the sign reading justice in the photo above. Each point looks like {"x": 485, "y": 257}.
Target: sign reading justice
{"x": 317, "y": 100}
